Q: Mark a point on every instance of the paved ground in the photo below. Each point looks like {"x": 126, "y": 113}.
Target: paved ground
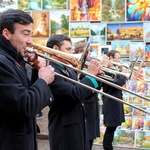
{"x": 43, "y": 143}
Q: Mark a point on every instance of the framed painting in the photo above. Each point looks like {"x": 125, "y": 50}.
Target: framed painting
{"x": 59, "y": 21}
{"x": 79, "y": 29}
{"x": 125, "y": 31}
{"x": 113, "y": 11}
{"x": 84, "y": 10}
{"x": 7, "y": 4}
{"x": 98, "y": 32}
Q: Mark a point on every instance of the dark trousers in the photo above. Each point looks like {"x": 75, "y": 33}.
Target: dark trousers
{"x": 108, "y": 138}
{"x": 91, "y": 144}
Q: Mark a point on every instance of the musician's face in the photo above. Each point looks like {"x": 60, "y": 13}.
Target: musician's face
{"x": 21, "y": 38}
{"x": 117, "y": 57}
{"x": 66, "y": 47}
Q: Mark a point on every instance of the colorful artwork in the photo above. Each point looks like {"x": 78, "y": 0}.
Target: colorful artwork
{"x": 128, "y": 110}
{"x": 29, "y": 4}
{"x": 131, "y": 85}
{"x": 147, "y": 74}
{"x": 7, "y": 4}
{"x": 146, "y": 124}
{"x": 127, "y": 124}
{"x": 124, "y": 138}
{"x": 122, "y": 46}
{"x": 54, "y": 4}
{"x": 41, "y": 24}
{"x": 137, "y": 112}
{"x": 137, "y": 49}
{"x": 142, "y": 87}
{"x": 98, "y": 32}
{"x": 146, "y": 31}
{"x": 79, "y": 29}
{"x": 146, "y": 103}
{"x": 125, "y": 31}
{"x": 138, "y": 123}
{"x": 147, "y": 52}
{"x": 138, "y": 75}
{"x": 138, "y": 10}
{"x": 94, "y": 51}
{"x": 111, "y": 11}
{"x": 142, "y": 139}
{"x": 83, "y": 10}
{"x": 135, "y": 100}
{"x": 59, "y": 21}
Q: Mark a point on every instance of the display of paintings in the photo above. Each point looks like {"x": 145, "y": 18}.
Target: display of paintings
{"x": 112, "y": 12}
{"x": 147, "y": 74}
{"x": 7, "y": 4}
{"x": 94, "y": 51}
{"x": 137, "y": 112}
{"x": 138, "y": 75}
{"x": 142, "y": 139}
{"x": 127, "y": 124}
{"x": 83, "y": 10}
{"x": 41, "y": 24}
{"x": 29, "y": 4}
{"x": 54, "y": 4}
{"x": 135, "y": 100}
{"x": 125, "y": 31}
{"x": 137, "y": 49}
{"x": 137, "y": 10}
{"x": 142, "y": 87}
{"x": 122, "y": 46}
{"x": 146, "y": 26}
{"x": 138, "y": 123}
{"x": 79, "y": 29}
{"x": 98, "y": 32}
{"x": 124, "y": 138}
{"x": 127, "y": 110}
{"x": 59, "y": 21}
{"x": 147, "y": 52}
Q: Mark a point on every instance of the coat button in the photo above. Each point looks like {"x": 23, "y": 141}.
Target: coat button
{"x": 50, "y": 99}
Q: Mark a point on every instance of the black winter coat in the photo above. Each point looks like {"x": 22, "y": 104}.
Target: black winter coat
{"x": 67, "y": 120}
{"x": 19, "y": 101}
{"x": 113, "y": 110}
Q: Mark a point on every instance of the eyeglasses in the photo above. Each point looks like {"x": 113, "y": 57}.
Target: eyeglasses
{"x": 117, "y": 57}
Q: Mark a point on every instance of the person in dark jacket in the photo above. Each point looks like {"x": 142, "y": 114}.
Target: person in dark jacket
{"x": 67, "y": 118}
{"x": 112, "y": 110}
{"x": 91, "y": 103}
{"x": 20, "y": 100}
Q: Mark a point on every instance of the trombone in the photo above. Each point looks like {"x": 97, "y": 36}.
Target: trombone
{"x": 45, "y": 56}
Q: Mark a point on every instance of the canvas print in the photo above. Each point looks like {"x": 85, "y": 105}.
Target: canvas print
{"x": 146, "y": 103}
{"x": 146, "y": 124}
{"x": 137, "y": 49}
{"x": 7, "y": 4}
{"x": 29, "y": 4}
{"x": 148, "y": 91}
{"x": 113, "y": 10}
{"x": 125, "y": 31}
{"x": 138, "y": 10}
{"x": 147, "y": 52}
{"x": 103, "y": 50}
{"x": 54, "y": 4}
{"x": 142, "y": 87}
{"x": 147, "y": 74}
{"x": 137, "y": 112}
{"x": 59, "y": 21}
{"x": 135, "y": 100}
{"x": 127, "y": 125}
{"x": 79, "y": 29}
{"x": 122, "y": 46}
{"x": 131, "y": 85}
{"x": 98, "y": 32}
{"x": 83, "y": 10}
{"x": 138, "y": 123}
{"x": 138, "y": 74}
{"x": 40, "y": 41}
{"x": 142, "y": 139}
{"x": 124, "y": 138}
{"x": 41, "y": 24}
{"x": 127, "y": 110}
{"x": 146, "y": 31}
{"x": 94, "y": 50}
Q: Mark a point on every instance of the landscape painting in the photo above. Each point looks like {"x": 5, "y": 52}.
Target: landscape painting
{"x": 59, "y": 21}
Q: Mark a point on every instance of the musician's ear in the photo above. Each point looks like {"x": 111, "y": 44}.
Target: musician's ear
{"x": 55, "y": 47}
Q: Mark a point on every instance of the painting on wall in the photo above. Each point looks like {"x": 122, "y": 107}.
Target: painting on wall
{"x": 41, "y": 24}
{"x": 125, "y": 31}
{"x": 98, "y": 32}
{"x": 59, "y": 21}
{"x": 147, "y": 52}
{"x": 146, "y": 26}
{"x": 122, "y": 46}
{"x": 54, "y": 4}
{"x": 83, "y": 10}
{"x": 113, "y": 11}
{"x": 79, "y": 29}
{"x": 138, "y": 10}
{"x": 7, "y": 4}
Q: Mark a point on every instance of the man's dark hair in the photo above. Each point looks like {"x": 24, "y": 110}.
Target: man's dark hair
{"x": 57, "y": 39}
{"x": 10, "y": 17}
{"x": 112, "y": 53}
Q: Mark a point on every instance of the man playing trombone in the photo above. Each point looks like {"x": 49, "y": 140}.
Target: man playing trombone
{"x": 67, "y": 118}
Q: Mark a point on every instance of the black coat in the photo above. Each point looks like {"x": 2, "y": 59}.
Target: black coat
{"x": 67, "y": 121}
{"x": 19, "y": 101}
{"x": 113, "y": 110}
